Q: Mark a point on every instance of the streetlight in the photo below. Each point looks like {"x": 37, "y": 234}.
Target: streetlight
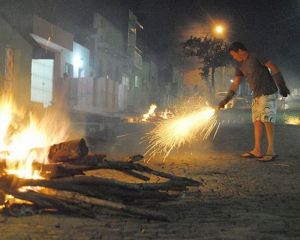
{"x": 219, "y": 29}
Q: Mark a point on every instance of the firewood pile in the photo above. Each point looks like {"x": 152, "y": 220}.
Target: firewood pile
{"x": 68, "y": 188}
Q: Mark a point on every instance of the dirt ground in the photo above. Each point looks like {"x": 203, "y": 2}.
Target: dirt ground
{"x": 240, "y": 198}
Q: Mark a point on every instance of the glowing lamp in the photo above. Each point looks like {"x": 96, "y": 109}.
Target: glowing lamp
{"x": 77, "y": 61}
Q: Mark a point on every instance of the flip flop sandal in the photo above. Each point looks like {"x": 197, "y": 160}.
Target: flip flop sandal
{"x": 268, "y": 158}
{"x": 250, "y": 155}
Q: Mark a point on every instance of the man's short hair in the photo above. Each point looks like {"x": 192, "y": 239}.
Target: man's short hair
{"x": 235, "y": 46}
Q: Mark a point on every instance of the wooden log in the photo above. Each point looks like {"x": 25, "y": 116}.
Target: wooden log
{"x": 59, "y": 170}
{"x": 8, "y": 184}
{"x": 73, "y": 202}
{"x": 99, "y": 162}
{"x": 66, "y": 169}
{"x": 187, "y": 181}
{"x": 92, "y": 180}
{"x": 90, "y": 160}
{"x": 136, "y": 175}
{"x": 2, "y": 165}
{"x": 119, "y": 165}
{"x": 47, "y": 202}
{"x": 135, "y": 158}
{"x": 104, "y": 190}
{"x": 79, "y": 198}
{"x": 51, "y": 171}
{"x": 94, "y": 162}
{"x": 2, "y": 198}
{"x": 67, "y": 151}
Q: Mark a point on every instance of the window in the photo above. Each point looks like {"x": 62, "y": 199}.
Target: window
{"x": 136, "y": 81}
{"x": 125, "y": 81}
{"x": 69, "y": 69}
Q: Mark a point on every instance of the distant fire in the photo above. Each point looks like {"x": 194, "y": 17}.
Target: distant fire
{"x": 166, "y": 114}
{"x": 292, "y": 120}
{"x": 25, "y": 138}
{"x": 150, "y": 113}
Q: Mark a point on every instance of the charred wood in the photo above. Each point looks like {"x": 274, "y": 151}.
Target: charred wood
{"x": 102, "y": 189}
{"x": 92, "y": 180}
{"x": 2, "y": 197}
{"x": 79, "y": 199}
{"x": 98, "y": 161}
{"x": 71, "y": 201}
{"x": 68, "y": 151}
{"x": 135, "y": 158}
{"x": 47, "y": 202}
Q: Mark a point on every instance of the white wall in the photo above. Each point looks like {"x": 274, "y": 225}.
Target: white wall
{"x": 42, "y": 81}
{"x": 101, "y": 95}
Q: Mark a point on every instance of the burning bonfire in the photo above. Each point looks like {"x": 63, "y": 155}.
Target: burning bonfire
{"x": 43, "y": 170}
{"x": 24, "y": 138}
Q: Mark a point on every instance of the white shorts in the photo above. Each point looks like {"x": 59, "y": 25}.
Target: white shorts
{"x": 264, "y": 108}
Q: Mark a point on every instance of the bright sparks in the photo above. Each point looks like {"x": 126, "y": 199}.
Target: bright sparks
{"x": 180, "y": 130}
{"x": 25, "y": 138}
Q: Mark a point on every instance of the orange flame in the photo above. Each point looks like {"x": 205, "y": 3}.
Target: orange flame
{"x": 150, "y": 113}
{"x": 25, "y": 138}
{"x": 292, "y": 120}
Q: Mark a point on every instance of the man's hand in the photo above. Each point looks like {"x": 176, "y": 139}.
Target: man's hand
{"x": 221, "y": 104}
{"x": 284, "y": 91}
{"x": 227, "y": 98}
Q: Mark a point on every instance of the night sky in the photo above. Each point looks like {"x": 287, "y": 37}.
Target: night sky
{"x": 271, "y": 28}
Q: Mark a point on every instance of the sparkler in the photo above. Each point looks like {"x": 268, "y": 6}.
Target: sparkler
{"x": 180, "y": 130}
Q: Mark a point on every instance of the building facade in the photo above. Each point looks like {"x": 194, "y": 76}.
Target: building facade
{"x": 56, "y": 80}
{"x": 117, "y": 66}
{"x": 110, "y": 77}
{"x": 15, "y": 64}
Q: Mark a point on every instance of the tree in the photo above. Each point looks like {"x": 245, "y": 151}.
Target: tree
{"x": 211, "y": 51}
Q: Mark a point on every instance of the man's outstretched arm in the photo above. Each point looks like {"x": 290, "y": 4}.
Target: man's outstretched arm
{"x": 231, "y": 92}
{"x": 278, "y": 78}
